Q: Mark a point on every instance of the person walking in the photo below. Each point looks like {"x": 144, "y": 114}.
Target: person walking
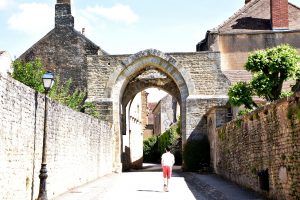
{"x": 167, "y": 162}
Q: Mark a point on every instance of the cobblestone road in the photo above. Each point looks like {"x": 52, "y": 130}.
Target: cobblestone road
{"x": 147, "y": 184}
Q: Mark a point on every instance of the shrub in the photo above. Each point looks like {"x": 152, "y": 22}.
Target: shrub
{"x": 196, "y": 154}
{"x": 154, "y": 146}
{"x": 150, "y": 150}
{"x": 169, "y": 137}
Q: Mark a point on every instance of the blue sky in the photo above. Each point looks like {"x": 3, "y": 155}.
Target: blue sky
{"x": 118, "y": 26}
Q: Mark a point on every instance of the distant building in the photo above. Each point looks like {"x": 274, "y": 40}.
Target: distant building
{"x": 133, "y": 135}
{"x": 165, "y": 114}
{"x": 149, "y": 129}
{"x": 259, "y": 24}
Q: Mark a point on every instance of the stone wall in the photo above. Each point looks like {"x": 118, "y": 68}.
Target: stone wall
{"x": 198, "y": 108}
{"x": 157, "y": 119}
{"x": 133, "y": 140}
{"x": 235, "y": 48}
{"x": 79, "y": 146}
{"x": 205, "y": 71}
{"x": 204, "y": 68}
{"x": 170, "y": 112}
{"x": 266, "y": 139}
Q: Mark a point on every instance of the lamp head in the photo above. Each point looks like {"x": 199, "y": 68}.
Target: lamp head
{"x": 48, "y": 80}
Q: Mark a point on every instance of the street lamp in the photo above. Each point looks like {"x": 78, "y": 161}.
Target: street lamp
{"x": 48, "y": 80}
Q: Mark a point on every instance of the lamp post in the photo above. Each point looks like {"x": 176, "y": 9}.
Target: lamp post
{"x": 48, "y": 80}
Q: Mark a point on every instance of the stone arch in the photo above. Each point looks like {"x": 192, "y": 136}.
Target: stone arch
{"x": 131, "y": 68}
{"x": 161, "y": 61}
{"x": 163, "y": 82}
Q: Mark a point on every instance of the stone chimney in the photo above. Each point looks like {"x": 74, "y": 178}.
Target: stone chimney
{"x": 63, "y": 15}
{"x": 279, "y": 14}
{"x": 247, "y": 1}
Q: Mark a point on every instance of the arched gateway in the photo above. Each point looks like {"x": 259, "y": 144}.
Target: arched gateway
{"x": 194, "y": 79}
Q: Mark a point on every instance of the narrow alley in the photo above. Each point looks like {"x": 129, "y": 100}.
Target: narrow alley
{"x": 147, "y": 184}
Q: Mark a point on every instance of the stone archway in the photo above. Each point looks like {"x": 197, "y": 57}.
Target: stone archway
{"x": 134, "y": 66}
{"x": 196, "y": 78}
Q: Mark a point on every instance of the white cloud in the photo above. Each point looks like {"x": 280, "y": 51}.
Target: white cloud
{"x": 4, "y": 3}
{"x": 33, "y": 18}
{"x": 118, "y": 13}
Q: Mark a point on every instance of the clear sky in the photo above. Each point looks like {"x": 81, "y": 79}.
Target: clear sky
{"x": 118, "y": 26}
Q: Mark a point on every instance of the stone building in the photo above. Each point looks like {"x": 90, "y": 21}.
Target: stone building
{"x": 135, "y": 126}
{"x": 259, "y": 24}
{"x": 166, "y": 113}
{"x": 63, "y": 50}
{"x": 149, "y": 129}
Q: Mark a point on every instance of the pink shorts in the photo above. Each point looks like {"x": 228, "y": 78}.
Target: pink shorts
{"x": 167, "y": 171}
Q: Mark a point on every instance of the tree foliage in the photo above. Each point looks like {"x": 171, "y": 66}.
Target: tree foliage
{"x": 240, "y": 93}
{"x": 155, "y": 146}
{"x": 270, "y": 68}
{"x": 31, "y": 73}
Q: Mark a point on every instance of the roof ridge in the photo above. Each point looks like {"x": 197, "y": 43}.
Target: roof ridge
{"x": 237, "y": 13}
{"x": 293, "y": 5}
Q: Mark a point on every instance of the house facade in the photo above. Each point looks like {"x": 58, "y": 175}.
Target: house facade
{"x": 259, "y": 24}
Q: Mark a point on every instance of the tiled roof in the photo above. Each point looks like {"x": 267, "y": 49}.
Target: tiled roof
{"x": 255, "y": 16}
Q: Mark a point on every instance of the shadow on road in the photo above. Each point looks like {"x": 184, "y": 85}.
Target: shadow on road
{"x": 152, "y": 167}
{"x": 205, "y": 186}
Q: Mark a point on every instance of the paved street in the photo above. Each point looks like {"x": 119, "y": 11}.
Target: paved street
{"x": 147, "y": 184}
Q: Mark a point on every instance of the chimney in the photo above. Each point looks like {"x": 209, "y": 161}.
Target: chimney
{"x": 83, "y": 31}
{"x": 64, "y": 1}
{"x": 63, "y": 15}
{"x": 247, "y": 1}
{"x": 279, "y": 14}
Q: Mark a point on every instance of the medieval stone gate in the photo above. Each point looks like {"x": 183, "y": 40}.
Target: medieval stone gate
{"x": 194, "y": 79}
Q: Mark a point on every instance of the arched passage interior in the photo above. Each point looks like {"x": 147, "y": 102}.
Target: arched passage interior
{"x": 131, "y": 78}
{"x": 134, "y": 112}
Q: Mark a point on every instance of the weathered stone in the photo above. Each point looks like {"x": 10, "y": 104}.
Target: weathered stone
{"x": 80, "y": 147}
{"x": 264, "y": 139}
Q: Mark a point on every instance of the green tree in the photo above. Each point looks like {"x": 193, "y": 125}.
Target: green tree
{"x": 31, "y": 73}
{"x": 241, "y": 93}
{"x": 270, "y": 68}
